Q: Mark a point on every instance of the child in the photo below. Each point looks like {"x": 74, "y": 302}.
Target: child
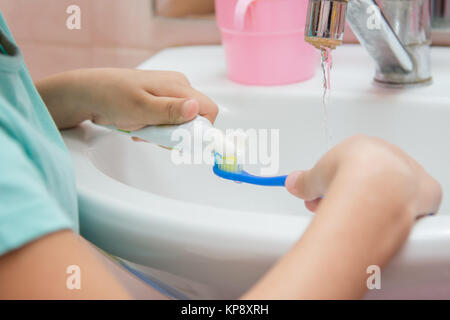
{"x": 38, "y": 202}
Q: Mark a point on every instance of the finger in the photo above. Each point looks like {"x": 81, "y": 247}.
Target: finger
{"x": 207, "y": 107}
{"x": 136, "y": 139}
{"x": 164, "y": 110}
{"x": 303, "y": 185}
{"x": 180, "y": 87}
{"x": 313, "y": 205}
{"x": 431, "y": 196}
{"x": 312, "y": 184}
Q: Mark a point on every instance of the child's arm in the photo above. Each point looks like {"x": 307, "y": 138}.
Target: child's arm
{"x": 38, "y": 271}
{"x": 374, "y": 193}
{"x": 128, "y": 99}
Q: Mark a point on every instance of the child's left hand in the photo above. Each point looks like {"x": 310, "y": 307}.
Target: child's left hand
{"x": 128, "y": 99}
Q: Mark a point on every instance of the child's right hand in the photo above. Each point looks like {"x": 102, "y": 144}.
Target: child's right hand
{"x": 373, "y": 193}
{"x": 370, "y": 167}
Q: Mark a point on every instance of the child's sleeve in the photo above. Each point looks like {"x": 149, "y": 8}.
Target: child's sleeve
{"x": 27, "y": 210}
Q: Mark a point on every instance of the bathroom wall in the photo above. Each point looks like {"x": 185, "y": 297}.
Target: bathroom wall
{"x": 118, "y": 33}
{"x": 114, "y": 33}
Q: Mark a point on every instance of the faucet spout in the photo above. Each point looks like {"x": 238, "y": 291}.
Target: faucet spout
{"x": 395, "y": 33}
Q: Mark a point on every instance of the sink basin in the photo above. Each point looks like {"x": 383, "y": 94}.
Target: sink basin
{"x": 205, "y": 237}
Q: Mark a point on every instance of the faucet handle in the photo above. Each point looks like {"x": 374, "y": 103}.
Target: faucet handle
{"x": 325, "y": 23}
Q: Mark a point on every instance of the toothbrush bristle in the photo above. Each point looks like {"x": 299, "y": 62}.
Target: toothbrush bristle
{"x": 229, "y": 164}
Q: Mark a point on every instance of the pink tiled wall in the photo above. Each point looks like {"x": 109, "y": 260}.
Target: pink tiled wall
{"x": 118, "y": 33}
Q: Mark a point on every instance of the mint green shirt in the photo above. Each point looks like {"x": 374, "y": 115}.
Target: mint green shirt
{"x": 37, "y": 188}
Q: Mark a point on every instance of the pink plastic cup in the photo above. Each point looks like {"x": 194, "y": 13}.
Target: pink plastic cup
{"x": 264, "y": 41}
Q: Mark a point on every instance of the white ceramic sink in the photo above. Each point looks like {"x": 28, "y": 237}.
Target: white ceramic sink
{"x": 209, "y": 238}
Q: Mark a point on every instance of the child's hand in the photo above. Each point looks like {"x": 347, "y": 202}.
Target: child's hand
{"x": 369, "y": 167}
{"x": 373, "y": 194}
{"x": 128, "y": 99}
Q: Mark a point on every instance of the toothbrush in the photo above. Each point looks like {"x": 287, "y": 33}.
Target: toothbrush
{"x": 227, "y": 167}
{"x": 162, "y": 134}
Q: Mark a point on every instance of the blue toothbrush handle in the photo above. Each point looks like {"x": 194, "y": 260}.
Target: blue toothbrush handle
{"x": 246, "y": 177}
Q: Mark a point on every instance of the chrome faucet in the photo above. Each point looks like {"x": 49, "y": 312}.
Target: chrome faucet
{"x": 396, "y": 34}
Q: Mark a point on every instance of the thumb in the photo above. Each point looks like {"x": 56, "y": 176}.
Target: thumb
{"x": 174, "y": 110}
{"x": 304, "y": 185}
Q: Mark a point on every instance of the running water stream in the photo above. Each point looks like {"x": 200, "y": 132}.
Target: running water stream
{"x": 326, "y": 68}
